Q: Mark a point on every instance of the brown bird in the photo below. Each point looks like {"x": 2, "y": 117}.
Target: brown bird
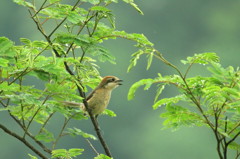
{"x": 99, "y": 98}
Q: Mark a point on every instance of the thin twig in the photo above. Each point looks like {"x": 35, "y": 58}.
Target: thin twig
{"x": 61, "y": 132}
{"x": 35, "y": 114}
{"x": 45, "y": 123}
{"x": 55, "y": 29}
{"x": 234, "y": 128}
{"x": 90, "y": 144}
{"x": 20, "y": 75}
{"x": 39, "y": 9}
{"x": 235, "y": 136}
{"x": 237, "y": 155}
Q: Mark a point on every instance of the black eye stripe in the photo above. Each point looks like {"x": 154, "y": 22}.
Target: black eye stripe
{"x": 111, "y": 80}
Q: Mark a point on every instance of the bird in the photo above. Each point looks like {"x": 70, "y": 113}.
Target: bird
{"x": 99, "y": 98}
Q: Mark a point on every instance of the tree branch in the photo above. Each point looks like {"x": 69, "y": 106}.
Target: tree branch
{"x": 97, "y": 129}
{"x": 28, "y": 133}
{"x": 80, "y": 90}
{"x": 55, "y": 29}
{"x": 23, "y": 140}
{"x": 230, "y": 141}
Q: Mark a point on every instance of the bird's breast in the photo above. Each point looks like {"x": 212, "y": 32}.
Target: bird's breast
{"x": 99, "y": 101}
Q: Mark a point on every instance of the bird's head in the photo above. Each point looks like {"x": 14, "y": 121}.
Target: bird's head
{"x": 110, "y": 82}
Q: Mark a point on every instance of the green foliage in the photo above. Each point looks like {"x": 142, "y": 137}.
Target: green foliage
{"x": 204, "y": 58}
{"x": 202, "y": 101}
{"x": 109, "y": 113}
{"x": 134, "y": 5}
{"x": 102, "y": 156}
{"x": 68, "y": 154}
{"x": 177, "y": 116}
{"x": 76, "y": 131}
{"x": 64, "y": 62}
{"x": 45, "y": 136}
{"x": 32, "y": 157}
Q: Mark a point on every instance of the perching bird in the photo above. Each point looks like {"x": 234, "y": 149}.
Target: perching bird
{"x": 99, "y": 98}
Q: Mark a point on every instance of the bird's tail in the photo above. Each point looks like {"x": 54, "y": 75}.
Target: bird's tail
{"x": 71, "y": 104}
{"x": 76, "y": 105}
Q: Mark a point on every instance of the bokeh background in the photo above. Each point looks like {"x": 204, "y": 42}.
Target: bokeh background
{"x": 178, "y": 29}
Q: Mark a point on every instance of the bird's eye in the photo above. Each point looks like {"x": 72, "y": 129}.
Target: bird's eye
{"x": 112, "y": 79}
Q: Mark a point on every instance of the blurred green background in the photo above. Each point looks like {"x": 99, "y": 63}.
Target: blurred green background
{"x": 178, "y": 29}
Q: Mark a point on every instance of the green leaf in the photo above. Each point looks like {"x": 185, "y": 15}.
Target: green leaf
{"x": 167, "y": 101}
{"x": 39, "y": 44}
{"x": 4, "y": 62}
{"x": 100, "y": 8}
{"x": 76, "y": 131}
{"x": 26, "y": 41}
{"x": 110, "y": 1}
{"x": 149, "y": 62}
{"x": 66, "y": 153}
{"x": 59, "y": 153}
{"x": 102, "y": 156}
{"x": 67, "y": 38}
{"x": 204, "y": 58}
{"x": 32, "y": 157}
{"x": 56, "y": 12}
{"x": 45, "y": 136}
{"x": 109, "y": 113}
{"x": 53, "y": 1}
{"x": 75, "y": 152}
{"x": 111, "y": 19}
{"x": 102, "y": 54}
{"x": 135, "y": 86}
{"x": 94, "y": 2}
{"x": 75, "y": 18}
{"x": 4, "y": 109}
{"x": 6, "y": 47}
{"x": 216, "y": 69}
{"x": 24, "y": 3}
{"x": 134, "y": 5}
{"x": 231, "y": 91}
{"x": 4, "y": 86}
{"x": 234, "y": 146}
{"x": 135, "y": 58}
{"x": 177, "y": 116}
{"x": 41, "y": 74}
{"x": 159, "y": 91}
{"x": 139, "y": 38}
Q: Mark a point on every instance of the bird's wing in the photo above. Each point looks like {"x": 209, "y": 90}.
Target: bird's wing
{"x": 90, "y": 95}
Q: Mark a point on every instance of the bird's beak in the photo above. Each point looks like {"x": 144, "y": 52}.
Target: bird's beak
{"x": 119, "y": 82}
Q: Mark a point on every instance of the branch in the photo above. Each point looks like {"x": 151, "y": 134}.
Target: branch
{"x": 218, "y": 137}
{"x": 45, "y": 123}
{"x": 24, "y": 72}
{"x": 230, "y": 141}
{"x": 35, "y": 114}
{"x": 90, "y": 144}
{"x": 39, "y": 9}
{"x": 234, "y": 128}
{"x": 28, "y": 133}
{"x": 61, "y": 132}
{"x": 97, "y": 129}
{"x": 80, "y": 90}
{"x": 55, "y": 29}
{"x": 23, "y": 140}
